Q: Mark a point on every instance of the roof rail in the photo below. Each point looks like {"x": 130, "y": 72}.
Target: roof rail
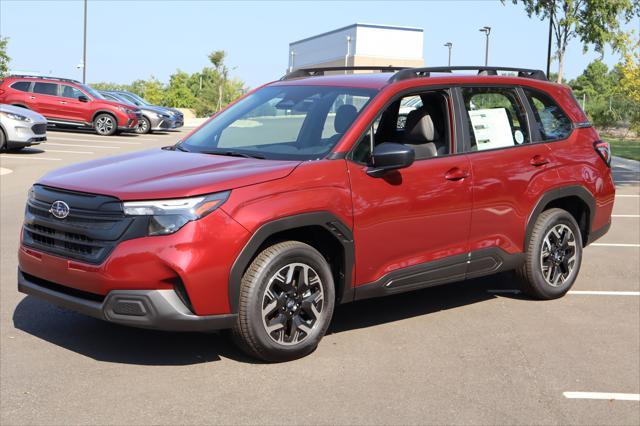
{"x": 408, "y": 73}
{"x": 311, "y": 72}
{"x": 43, "y": 77}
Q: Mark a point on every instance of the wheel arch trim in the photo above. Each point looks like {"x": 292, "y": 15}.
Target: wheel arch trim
{"x": 342, "y": 233}
{"x": 104, "y": 111}
{"x": 556, "y": 194}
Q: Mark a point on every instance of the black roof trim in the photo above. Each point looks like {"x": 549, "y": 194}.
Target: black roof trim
{"x": 43, "y": 77}
{"x": 482, "y": 70}
{"x": 313, "y": 72}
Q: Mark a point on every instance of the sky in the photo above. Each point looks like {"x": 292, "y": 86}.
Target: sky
{"x": 129, "y": 40}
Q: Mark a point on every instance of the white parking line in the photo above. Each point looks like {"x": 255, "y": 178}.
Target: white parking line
{"x": 613, "y": 245}
{"x": 69, "y": 152}
{"x": 627, "y": 181}
{"x": 603, "y": 395}
{"x": 30, "y": 157}
{"x": 576, "y": 292}
{"x": 4, "y": 171}
{"x": 628, "y": 195}
{"x": 625, "y": 215}
{"x": 94, "y": 141}
{"x": 82, "y": 146}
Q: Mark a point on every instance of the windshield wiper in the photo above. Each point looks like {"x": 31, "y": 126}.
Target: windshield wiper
{"x": 235, "y": 154}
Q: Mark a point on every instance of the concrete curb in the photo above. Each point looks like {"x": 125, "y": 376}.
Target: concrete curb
{"x": 626, "y": 163}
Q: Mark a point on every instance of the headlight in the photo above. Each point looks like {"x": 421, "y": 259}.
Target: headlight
{"x": 168, "y": 216}
{"x": 14, "y": 116}
{"x": 126, "y": 110}
{"x": 161, "y": 115}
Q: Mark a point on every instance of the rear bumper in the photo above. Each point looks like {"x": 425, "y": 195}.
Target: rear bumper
{"x": 154, "y": 309}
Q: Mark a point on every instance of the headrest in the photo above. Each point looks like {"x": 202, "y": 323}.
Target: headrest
{"x": 419, "y": 126}
{"x": 345, "y": 115}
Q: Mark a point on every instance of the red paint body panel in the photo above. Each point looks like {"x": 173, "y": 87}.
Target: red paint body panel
{"x": 166, "y": 174}
{"x": 410, "y": 216}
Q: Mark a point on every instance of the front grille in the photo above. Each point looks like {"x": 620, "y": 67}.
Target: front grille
{"x": 39, "y": 129}
{"x": 94, "y": 226}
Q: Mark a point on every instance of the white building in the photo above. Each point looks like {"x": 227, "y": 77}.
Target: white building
{"x": 360, "y": 45}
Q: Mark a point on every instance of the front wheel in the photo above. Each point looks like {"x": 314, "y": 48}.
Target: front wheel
{"x": 144, "y": 126}
{"x": 286, "y": 302}
{"x": 105, "y": 125}
{"x": 553, "y": 256}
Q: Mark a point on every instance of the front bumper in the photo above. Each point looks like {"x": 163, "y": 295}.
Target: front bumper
{"x": 155, "y": 309}
{"x": 165, "y": 124}
{"x": 25, "y": 134}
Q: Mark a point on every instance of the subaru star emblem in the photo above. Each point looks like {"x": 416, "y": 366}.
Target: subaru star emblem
{"x": 59, "y": 209}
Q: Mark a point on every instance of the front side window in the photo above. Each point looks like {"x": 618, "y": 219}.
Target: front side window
{"x": 282, "y": 123}
{"x": 419, "y": 121}
{"x": 46, "y": 89}
{"x": 552, "y": 122}
{"x": 22, "y": 86}
{"x": 71, "y": 92}
{"x": 496, "y": 118}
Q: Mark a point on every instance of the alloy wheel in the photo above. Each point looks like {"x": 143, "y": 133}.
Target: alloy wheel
{"x": 292, "y": 304}
{"x": 104, "y": 125}
{"x": 558, "y": 255}
{"x": 143, "y": 126}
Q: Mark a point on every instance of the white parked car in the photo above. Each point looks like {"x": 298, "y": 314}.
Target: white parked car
{"x": 20, "y": 127}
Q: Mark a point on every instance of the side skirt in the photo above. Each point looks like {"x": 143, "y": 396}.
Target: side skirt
{"x": 479, "y": 263}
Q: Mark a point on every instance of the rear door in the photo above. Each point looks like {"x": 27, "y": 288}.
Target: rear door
{"x": 16, "y": 93}
{"x": 44, "y": 99}
{"x": 509, "y": 170}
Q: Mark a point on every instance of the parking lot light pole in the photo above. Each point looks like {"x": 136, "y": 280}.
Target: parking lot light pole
{"x": 449, "y": 45}
{"x": 487, "y": 31}
{"x": 84, "y": 48}
{"x": 552, "y": 6}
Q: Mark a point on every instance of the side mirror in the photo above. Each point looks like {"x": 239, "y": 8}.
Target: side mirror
{"x": 390, "y": 156}
{"x": 83, "y": 98}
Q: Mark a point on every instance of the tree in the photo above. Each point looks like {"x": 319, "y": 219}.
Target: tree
{"x": 630, "y": 78}
{"x": 595, "y": 81}
{"x": 178, "y": 93}
{"x": 4, "y": 58}
{"x": 595, "y": 22}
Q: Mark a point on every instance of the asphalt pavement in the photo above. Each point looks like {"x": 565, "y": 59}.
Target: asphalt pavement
{"x": 476, "y": 352}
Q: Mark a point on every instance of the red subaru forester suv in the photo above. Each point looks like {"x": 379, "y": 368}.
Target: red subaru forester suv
{"x": 69, "y": 103}
{"x": 323, "y": 189}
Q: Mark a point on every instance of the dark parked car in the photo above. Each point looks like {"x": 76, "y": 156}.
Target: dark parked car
{"x": 308, "y": 193}
{"x": 155, "y": 117}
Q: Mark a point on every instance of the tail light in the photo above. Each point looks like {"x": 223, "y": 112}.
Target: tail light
{"x": 604, "y": 151}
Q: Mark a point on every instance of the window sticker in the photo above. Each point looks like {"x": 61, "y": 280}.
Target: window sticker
{"x": 491, "y": 128}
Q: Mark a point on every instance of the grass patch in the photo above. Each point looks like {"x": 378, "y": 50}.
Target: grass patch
{"x": 627, "y": 148}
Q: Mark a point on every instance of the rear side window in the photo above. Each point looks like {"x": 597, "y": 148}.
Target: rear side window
{"x": 22, "y": 86}
{"x": 46, "y": 89}
{"x": 552, "y": 122}
{"x": 496, "y": 117}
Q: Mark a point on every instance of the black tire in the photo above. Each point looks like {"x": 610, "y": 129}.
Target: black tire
{"x": 250, "y": 332}
{"x": 144, "y": 126}
{"x": 3, "y": 141}
{"x": 105, "y": 124}
{"x": 534, "y": 278}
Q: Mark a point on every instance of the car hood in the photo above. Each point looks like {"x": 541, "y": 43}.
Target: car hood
{"x": 157, "y": 109}
{"x": 159, "y": 173}
{"x": 34, "y": 116}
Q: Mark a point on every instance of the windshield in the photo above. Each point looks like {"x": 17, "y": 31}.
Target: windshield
{"x": 93, "y": 92}
{"x": 282, "y": 123}
{"x": 134, "y": 98}
{"x": 116, "y": 98}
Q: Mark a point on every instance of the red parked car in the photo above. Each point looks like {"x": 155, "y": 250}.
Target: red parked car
{"x": 68, "y": 103}
{"x": 313, "y": 191}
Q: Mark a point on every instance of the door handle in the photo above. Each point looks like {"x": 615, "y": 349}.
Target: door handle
{"x": 538, "y": 160}
{"x": 32, "y": 97}
{"x": 456, "y": 174}
{"x": 63, "y": 102}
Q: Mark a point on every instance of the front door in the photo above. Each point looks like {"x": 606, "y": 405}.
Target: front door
{"x": 411, "y": 225}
